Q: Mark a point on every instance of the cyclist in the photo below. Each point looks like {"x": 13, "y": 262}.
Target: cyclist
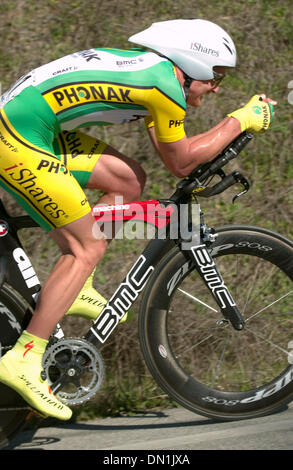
{"x": 46, "y": 160}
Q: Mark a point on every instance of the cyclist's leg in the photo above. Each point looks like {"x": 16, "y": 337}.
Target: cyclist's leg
{"x": 52, "y": 196}
{"x": 21, "y": 367}
{"x": 117, "y": 175}
{"x": 47, "y": 190}
{"x": 97, "y": 165}
{"x": 81, "y": 252}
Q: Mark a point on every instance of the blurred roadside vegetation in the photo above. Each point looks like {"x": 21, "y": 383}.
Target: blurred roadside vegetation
{"x": 35, "y": 32}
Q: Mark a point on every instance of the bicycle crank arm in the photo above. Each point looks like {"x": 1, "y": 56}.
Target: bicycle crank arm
{"x": 212, "y": 278}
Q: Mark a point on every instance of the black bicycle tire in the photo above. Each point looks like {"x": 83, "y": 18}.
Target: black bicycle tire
{"x": 184, "y": 389}
{"x": 12, "y": 421}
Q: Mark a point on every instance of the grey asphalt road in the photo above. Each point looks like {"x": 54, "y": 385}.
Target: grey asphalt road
{"x": 172, "y": 429}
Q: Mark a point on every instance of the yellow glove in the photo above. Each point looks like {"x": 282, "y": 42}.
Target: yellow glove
{"x": 255, "y": 116}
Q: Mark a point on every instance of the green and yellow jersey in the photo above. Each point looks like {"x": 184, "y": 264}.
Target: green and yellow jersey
{"x": 45, "y": 159}
{"x": 106, "y": 86}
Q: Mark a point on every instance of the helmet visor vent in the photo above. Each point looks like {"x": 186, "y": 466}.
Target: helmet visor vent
{"x": 226, "y": 42}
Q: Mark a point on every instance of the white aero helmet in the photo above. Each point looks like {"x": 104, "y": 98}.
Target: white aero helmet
{"x": 195, "y": 46}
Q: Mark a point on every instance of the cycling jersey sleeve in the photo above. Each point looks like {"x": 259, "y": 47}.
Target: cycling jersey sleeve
{"x": 167, "y": 115}
{"x": 149, "y": 122}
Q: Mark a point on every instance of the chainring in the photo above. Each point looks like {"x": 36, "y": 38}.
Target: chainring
{"x": 74, "y": 369}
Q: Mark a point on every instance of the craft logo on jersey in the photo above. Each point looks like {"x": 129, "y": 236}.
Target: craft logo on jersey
{"x": 4, "y": 141}
{"x": 76, "y": 94}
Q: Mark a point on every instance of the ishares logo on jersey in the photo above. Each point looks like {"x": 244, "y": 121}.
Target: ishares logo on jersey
{"x": 27, "y": 184}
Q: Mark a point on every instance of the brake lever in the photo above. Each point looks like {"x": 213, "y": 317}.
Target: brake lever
{"x": 242, "y": 180}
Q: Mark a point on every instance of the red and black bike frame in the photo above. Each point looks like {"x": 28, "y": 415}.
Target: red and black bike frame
{"x": 17, "y": 270}
{"x": 167, "y": 217}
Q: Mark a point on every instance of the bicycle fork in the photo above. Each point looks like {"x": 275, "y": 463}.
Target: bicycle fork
{"x": 213, "y": 280}
{"x": 198, "y": 253}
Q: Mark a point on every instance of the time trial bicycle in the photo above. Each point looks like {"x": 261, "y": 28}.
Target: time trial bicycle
{"x": 215, "y": 314}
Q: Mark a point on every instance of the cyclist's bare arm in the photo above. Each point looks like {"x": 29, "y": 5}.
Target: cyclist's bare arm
{"x": 182, "y": 156}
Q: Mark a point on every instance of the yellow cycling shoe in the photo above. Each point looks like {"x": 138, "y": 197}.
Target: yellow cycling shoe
{"x": 89, "y": 303}
{"x": 21, "y": 369}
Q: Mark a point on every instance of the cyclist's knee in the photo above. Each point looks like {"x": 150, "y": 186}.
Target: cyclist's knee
{"x": 90, "y": 254}
{"x": 82, "y": 240}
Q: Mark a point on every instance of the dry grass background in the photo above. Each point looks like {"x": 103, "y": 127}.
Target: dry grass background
{"x": 36, "y": 31}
